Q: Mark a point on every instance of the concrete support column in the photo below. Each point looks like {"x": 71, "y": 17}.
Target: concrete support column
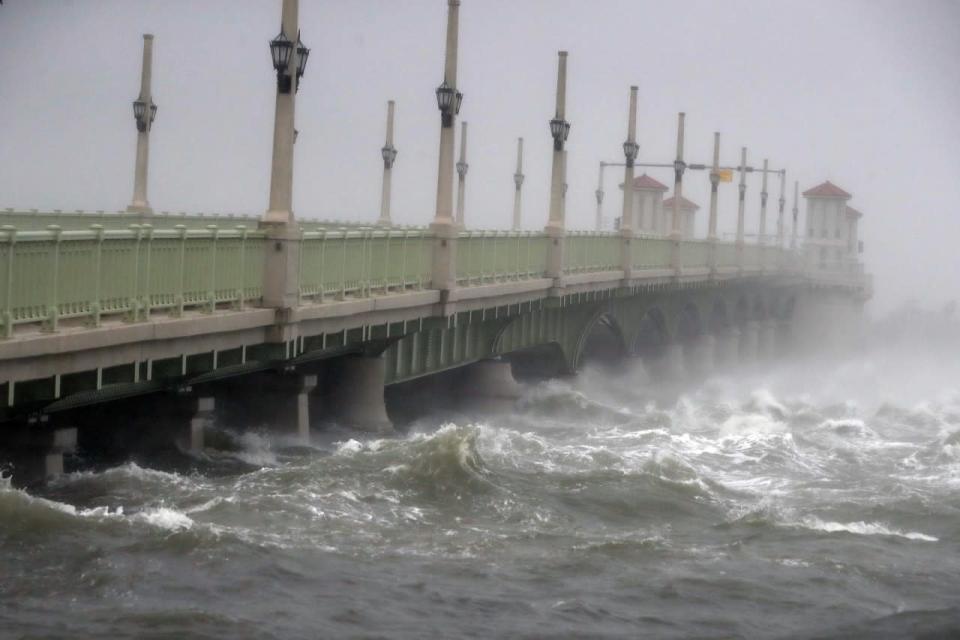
{"x": 356, "y": 397}
{"x": 307, "y": 384}
{"x": 750, "y": 342}
{"x": 727, "y": 353}
{"x": 704, "y": 352}
{"x": 462, "y": 168}
{"x": 627, "y": 226}
{"x": 444, "y": 226}
{"x": 202, "y": 418}
{"x": 559, "y": 129}
{"x": 768, "y": 340}
{"x": 518, "y": 184}
{"x": 489, "y": 384}
{"x": 280, "y": 210}
{"x": 144, "y": 112}
{"x": 35, "y": 454}
{"x": 389, "y": 154}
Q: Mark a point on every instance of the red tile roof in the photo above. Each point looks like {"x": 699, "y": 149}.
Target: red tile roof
{"x": 826, "y": 190}
{"x": 853, "y": 212}
{"x": 648, "y": 183}
{"x": 684, "y": 204}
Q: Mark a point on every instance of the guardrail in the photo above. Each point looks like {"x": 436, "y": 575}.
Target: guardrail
{"x": 50, "y": 275}
{"x": 359, "y": 263}
{"x": 651, "y": 252}
{"x": 588, "y": 251}
{"x": 493, "y": 256}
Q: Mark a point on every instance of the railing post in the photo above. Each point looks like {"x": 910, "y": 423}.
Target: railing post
{"x": 147, "y": 302}
{"x": 241, "y": 292}
{"x": 95, "y": 306}
{"x": 212, "y": 289}
{"x": 133, "y": 303}
{"x": 181, "y": 279}
{"x": 53, "y": 310}
{"x": 7, "y": 319}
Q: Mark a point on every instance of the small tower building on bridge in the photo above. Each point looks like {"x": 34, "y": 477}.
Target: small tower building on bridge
{"x": 832, "y": 237}
{"x": 648, "y": 206}
{"x": 688, "y": 215}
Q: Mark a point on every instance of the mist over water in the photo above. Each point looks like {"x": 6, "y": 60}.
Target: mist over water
{"x": 817, "y": 497}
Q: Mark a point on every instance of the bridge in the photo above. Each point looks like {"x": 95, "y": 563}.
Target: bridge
{"x": 311, "y": 319}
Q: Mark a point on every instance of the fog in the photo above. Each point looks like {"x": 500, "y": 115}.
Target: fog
{"x": 862, "y": 93}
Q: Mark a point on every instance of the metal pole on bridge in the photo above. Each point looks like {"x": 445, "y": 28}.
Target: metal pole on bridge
{"x": 560, "y": 131}
{"x": 796, "y": 211}
{"x": 714, "y": 185}
{"x": 678, "y": 167}
{"x": 144, "y": 111}
{"x": 518, "y": 183}
{"x": 740, "y": 204}
{"x": 389, "y": 153}
{"x": 449, "y": 98}
{"x": 599, "y": 194}
{"x": 782, "y": 203}
{"x": 762, "y": 239}
{"x": 630, "y": 150}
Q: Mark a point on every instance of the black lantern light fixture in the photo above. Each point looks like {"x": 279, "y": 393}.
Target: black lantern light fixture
{"x": 280, "y": 50}
{"x": 302, "y": 54}
{"x": 560, "y": 130}
{"x": 389, "y": 154}
{"x": 153, "y": 113}
{"x": 462, "y": 169}
{"x": 143, "y": 115}
{"x": 630, "y": 151}
{"x": 448, "y": 101}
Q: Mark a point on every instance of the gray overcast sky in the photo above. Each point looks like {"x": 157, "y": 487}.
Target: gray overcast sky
{"x": 865, "y": 93}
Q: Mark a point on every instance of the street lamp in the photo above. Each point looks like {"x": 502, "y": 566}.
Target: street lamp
{"x": 560, "y": 130}
{"x": 302, "y": 54}
{"x": 389, "y": 156}
{"x": 281, "y": 49}
{"x": 630, "y": 151}
{"x": 448, "y": 101}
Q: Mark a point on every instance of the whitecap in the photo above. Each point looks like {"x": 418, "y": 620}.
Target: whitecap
{"x": 862, "y": 528}
{"x": 166, "y": 518}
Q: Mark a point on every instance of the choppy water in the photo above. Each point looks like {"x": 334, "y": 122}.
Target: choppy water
{"x": 813, "y": 501}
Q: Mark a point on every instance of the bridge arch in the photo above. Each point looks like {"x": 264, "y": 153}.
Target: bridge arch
{"x": 601, "y": 338}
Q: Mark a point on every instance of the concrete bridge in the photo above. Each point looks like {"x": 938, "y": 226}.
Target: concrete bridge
{"x": 307, "y": 320}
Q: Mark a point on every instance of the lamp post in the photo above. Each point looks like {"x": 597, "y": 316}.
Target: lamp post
{"x": 449, "y": 100}
{"x": 781, "y": 202}
{"x": 741, "y": 203}
{"x": 518, "y": 183}
{"x": 714, "y": 187}
{"x": 599, "y": 194}
{"x": 678, "y": 167}
{"x": 462, "y": 168}
{"x": 144, "y": 112}
{"x": 630, "y": 150}
{"x": 762, "y": 239}
{"x": 389, "y": 154}
{"x": 560, "y": 131}
{"x": 796, "y": 211}
{"x": 289, "y": 61}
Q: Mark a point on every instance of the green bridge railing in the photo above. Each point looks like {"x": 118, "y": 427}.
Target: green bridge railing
{"x": 54, "y": 275}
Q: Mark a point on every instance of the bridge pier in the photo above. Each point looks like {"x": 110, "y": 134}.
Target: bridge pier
{"x": 35, "y": 455}
{"x": 703, "y": 352}
{"x": 490, "y": 382}
{"x": 278, "y": 400}
{"x": 201, "y": 419}
{"x": 767, "y": 340}
{"x": 355, "y": 398}
{"x": 671, "y": 363}
{"x": 750, "y": 342}
{"x": 727, "y": 353}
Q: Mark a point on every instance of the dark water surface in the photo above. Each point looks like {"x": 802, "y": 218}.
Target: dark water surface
{"x": 820, "y": 502}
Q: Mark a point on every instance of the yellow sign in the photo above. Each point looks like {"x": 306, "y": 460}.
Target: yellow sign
{"x": 726, "y": 175}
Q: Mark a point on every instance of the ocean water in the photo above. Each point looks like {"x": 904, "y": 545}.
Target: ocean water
{"x": 813, "y": 499}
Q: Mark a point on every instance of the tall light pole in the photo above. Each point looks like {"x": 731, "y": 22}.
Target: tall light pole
{"x": 599, "y": 194}
{"x": 144, "y": 111}
{"x": 560, "y": 131}
{"x": 630, "y": 150}
{"x": 796, "y": 211}
{"x": 389, "y": 154}
{"x": 741, "y": 203}
{"x": 289, "y": 61}
{"x": 782, "y": 203}
{"x": 518, "y": 183}
{"x": 462, "y": 168}
{"x": 449, "y": 100}
{"x": 763, "y": 205}
{"x": 678, "y": 167}
{"x": 714, "y": 187}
